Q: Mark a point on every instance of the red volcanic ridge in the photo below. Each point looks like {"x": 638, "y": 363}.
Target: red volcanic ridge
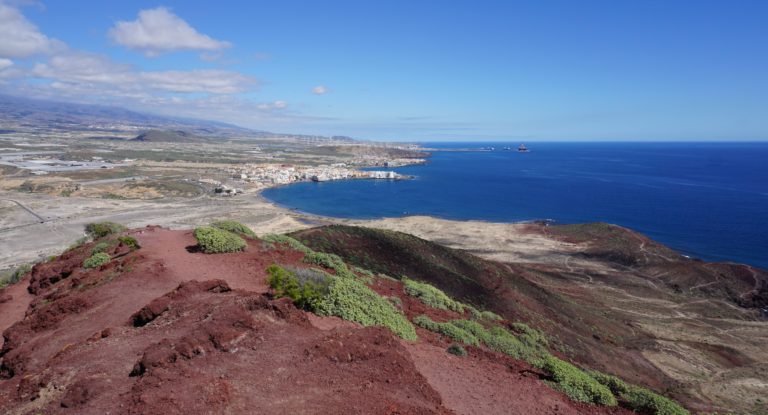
{"x": 162, "y": 327}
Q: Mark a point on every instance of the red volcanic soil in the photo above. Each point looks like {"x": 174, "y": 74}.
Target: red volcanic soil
{"x": 14, "y": 301}
{"x": 490, "y": 383}
{"x": 168, "y": 330}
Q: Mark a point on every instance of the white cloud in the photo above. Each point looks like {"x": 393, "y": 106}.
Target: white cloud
{"x": 277, "y": 105}
{"x": 158, "y": 30}
{"x": 92, "y": 71}
{"x": 19, "y": 38}
{"x": 319, "y": 90}
{"x": 72, "y": 75}
{"x": 212, "y": 81}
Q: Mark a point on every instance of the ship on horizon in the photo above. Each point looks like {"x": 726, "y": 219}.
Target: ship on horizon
{"x": 522, "y": 149}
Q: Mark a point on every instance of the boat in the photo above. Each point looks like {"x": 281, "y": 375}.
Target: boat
{"x": 522, "y": 149}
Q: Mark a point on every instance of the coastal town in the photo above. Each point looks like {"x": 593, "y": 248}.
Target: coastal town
{"x": 259, "y": 176}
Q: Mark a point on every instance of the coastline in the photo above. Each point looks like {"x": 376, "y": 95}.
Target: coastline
{"x": 492, "y": 240}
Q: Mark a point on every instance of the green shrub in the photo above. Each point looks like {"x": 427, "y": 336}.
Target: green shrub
{"x": 483, "y": 315}
{"x": 500, "y": 340}
{"x": 214, "y": 240}
{"x": 286, "y": 240}
{"x": 473, "y": 327}
{"x": 431, "y": 296}
{"x": 457, "y": 350}
{"x": 235, "y": 227}
{"x": 364, "y": 272}
{"x": 529, "y": 336}
{"x": 100, "y": 247}
{"x": 331, "y": 261}
{"x": 96, "y": 260}
{"x": 490, "y": 315}
{"x": 447, "y": 329}
{"x": 305, "y": 287}
{"x": 639, "y": 399}
{"x": 101, "y": 229}
{"x": 576, "y": 383}
{"x": 12, "y": 277}
{"x": 352, "y": 300}
{"x": 643, "y": 400}
{"x": 503, "y": 341}
{"x": 130, "y": 242}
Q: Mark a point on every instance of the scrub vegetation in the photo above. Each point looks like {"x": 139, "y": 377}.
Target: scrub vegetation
{"x": 235, "y": 227}
{"x": 101, "y": 229}
{"x": 96, "y": 260}
{"x": 215, "y": 241}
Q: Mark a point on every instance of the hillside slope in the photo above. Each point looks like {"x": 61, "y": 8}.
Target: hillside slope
{"x": 633, "y": 308}
{"x": 168, "y": 329}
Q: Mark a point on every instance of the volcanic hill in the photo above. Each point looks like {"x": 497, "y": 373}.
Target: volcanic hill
{"x": 343, "y": 319}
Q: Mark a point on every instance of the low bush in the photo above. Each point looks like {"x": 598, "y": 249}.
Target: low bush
{"x": 503, "y": 341}
{"x": 130, "y": 242}
{"x": 12, "y": 277}
{"x": 286, "y": 240}
{"x": 576, "y": 383}
{"x": 352, "y": 300}
{"x": 235, "y": 227}
{"x": 490, "y": 315}
{"x": 639, "y": 399}
{"x": 347, "y": 298}
{"x": 448, "y": 329}
{"x": 214, "y": 240}
{"x": 500, "y": 340}
{"x": 530, "y": 336}
{"x": 101, "y": 229}
{"x": 331, "y": 261}
{"x": 96, "y": 260}
{"x": 644, "y": 401}
{"x": 396, "y": 301}
{"x": 457, "y": 350}
{"x": 431, "y": 296}
{"x": 305, "y": 287}
{"x": 100, "y": 247}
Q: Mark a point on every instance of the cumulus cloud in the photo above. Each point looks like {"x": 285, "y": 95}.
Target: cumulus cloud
{"x": 5, "y": 63}
{"x": 319, "y": 90}
{"x": 88, "y": 70}
{"x": 19, "y": 38}
{"x": 158, "y": 30}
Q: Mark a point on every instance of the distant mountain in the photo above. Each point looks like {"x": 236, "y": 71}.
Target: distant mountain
{"x": 25, "y": 113}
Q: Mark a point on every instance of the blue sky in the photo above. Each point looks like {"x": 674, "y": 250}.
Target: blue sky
{"x": 415, "y": 70}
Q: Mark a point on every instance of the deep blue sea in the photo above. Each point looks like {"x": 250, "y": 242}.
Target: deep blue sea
{"x": 707, "y": 200}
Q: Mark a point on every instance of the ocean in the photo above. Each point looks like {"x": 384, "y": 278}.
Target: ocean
{"x": 706, "y": 200}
